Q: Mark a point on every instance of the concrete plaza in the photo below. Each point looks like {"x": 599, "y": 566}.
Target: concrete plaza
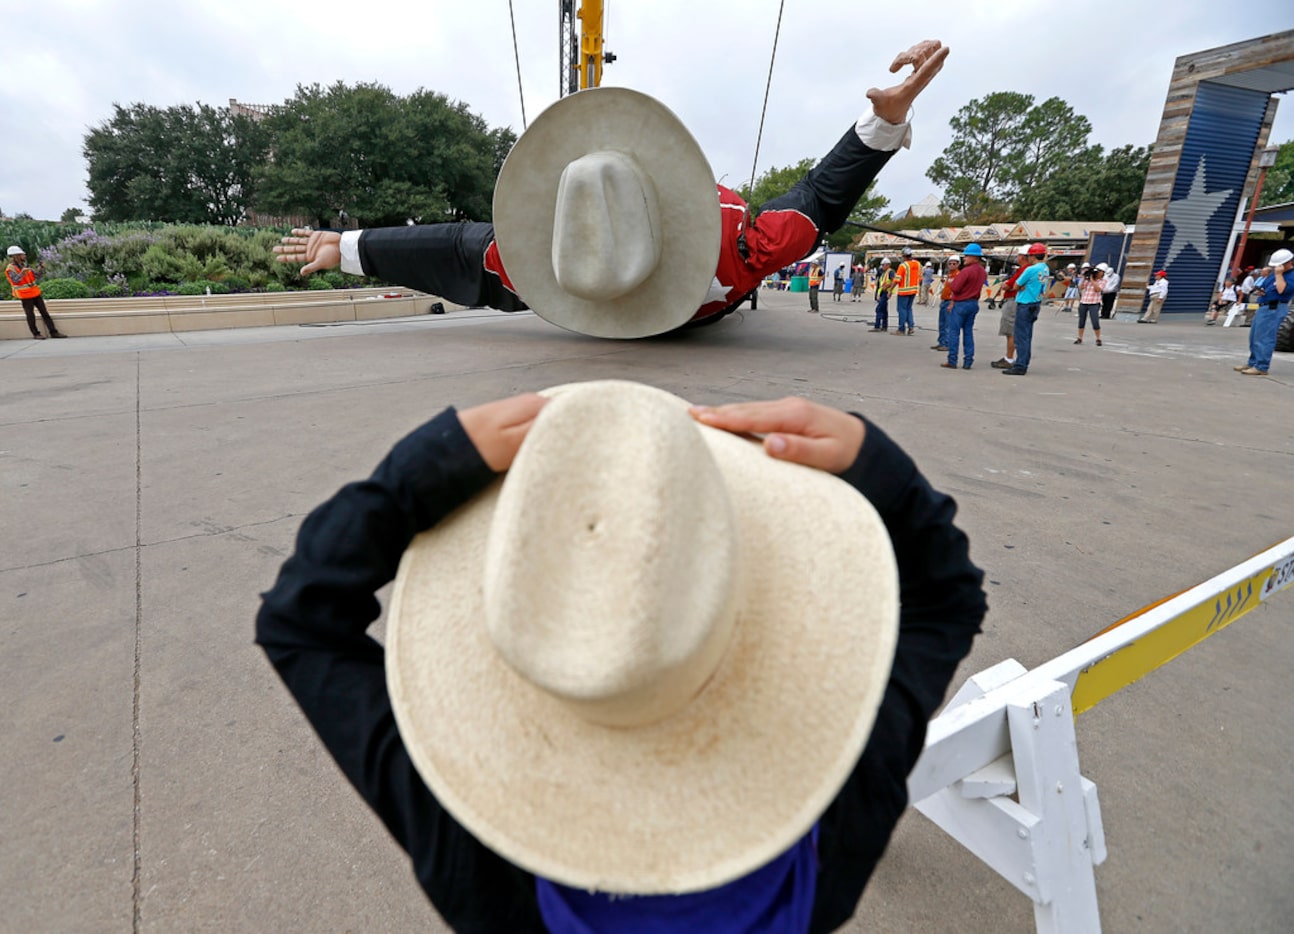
{"x": 157, "y": 777}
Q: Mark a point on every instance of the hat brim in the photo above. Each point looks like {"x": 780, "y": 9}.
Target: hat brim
{"x": 525, "y": 203}
{"x": 706, "y": 795}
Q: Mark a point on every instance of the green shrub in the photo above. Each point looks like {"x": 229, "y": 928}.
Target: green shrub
{"x": 111, "y": 290}
{"x": 216, "y": 268}
{"x": 236, "y": 284}
{"x": 318, "y": 284}
{"x": 156, "y": 288}
{"x": 64, "y": 288}
{"x": 273, "y": 286}
{"x": 159, "y": 264}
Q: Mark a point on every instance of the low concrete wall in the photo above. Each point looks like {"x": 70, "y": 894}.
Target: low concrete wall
{"x": 100, "y": 317}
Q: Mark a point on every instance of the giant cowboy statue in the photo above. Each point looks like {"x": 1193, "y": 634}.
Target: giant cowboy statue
{"x": 606, "y": 220}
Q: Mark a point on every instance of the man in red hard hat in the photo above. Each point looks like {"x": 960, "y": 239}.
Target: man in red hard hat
{"x": 1030, "y": 285}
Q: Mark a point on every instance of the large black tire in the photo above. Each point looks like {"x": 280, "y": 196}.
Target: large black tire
{"x": 1285, "y": 334}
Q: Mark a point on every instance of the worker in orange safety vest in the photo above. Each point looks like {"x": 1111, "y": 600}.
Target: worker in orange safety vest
{"x": 22, "y": 280}
{"x": 907, "y": 282}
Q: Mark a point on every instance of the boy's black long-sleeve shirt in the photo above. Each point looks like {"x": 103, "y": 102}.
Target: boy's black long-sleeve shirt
{"x": 313, "y": 626}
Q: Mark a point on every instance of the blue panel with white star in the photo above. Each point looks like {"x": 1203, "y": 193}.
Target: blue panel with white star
{"x": 1219, "y": 146}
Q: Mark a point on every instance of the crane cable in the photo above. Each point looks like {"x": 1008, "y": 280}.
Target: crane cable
{"x": 516, "y": 54}
{"x": 759, "y": 137}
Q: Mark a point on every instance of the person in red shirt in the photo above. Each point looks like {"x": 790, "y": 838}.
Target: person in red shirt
{"x": 965, "y": 290}
{"x": 1005, "y": 294}
{"x": 461, "y": 262}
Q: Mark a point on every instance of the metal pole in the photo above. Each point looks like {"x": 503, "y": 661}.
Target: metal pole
{"x": 1266, "y": 159}
{"x": 1249, "y": 218}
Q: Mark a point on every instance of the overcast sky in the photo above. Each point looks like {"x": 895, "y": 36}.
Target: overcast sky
{"x": 68, "y": 61}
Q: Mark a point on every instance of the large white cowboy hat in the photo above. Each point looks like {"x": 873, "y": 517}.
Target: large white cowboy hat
{"x": 607, "y": 217}
{"x": 647, "y": 658}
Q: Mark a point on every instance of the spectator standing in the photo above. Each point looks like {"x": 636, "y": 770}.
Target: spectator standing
{"x": 1089, "y": 303}
{"x": 1006, "y": 295}
{"x": 1109, "y": 290}
{"x": 859, "y": 283}
{"x": 946, "y": 301}
{"x": 907, "y": 282}
{"x": 1031, "y": 284}
{"x": 1273, "y": 306}
{"x": 884, "y": 286}
{"x": 966, "y": 288}
{"x": 1262, "y": 278}
{"x": 1071, "y": 287}
{"x": 927, "y": 281}
{"x": 815, "y": 283}
{"x": 1158, "y": 291}
{"x": 838, "y": 284}
{"x": 22, "y": 282}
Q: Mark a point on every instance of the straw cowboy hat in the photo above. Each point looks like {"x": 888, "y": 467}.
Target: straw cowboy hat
{"x": 606, "y": 216}
{"x": 647, "y": 658}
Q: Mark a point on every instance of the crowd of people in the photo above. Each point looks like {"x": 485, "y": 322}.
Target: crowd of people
{"x": 961, "y": 283}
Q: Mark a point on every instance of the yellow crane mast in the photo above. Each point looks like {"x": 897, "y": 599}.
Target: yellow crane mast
{"x": 582, "y": 55}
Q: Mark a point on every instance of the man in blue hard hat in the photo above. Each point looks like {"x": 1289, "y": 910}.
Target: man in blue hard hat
{"x": 966, "y": 288}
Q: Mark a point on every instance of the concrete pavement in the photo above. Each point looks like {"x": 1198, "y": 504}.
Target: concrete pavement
{"x": 157, "y": 777}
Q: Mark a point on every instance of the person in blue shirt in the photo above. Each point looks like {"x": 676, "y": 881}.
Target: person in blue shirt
{"x": 1028, "y": 303}
{"x": 1273, "y": 293}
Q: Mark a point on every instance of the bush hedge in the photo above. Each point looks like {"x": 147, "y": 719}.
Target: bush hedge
{"x": 117, "y": 260}
{"x": 64, "y": 288}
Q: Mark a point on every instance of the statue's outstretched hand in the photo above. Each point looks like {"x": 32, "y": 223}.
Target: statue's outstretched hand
{"x": 314, "y": 249}
{"x": 926, "y": 58}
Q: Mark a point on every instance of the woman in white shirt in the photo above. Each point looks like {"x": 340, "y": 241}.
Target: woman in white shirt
{"x": 1226, "y": 298}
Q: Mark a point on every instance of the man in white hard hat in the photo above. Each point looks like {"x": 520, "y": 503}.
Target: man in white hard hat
{"x": 884, "y": 286}
{"x": 1109, "y": 289}
{"x": 22, "y": 282}
{"x": 1071, "y": 287}
{"x": 1273, "y": 306}
{"x": 927, "y": 280}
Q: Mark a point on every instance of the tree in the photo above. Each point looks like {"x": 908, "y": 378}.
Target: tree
{"x": 1278, "y": 186}
{"x": 1090, "y": 185}
{"x": 183, "y": 164}
{"x": 69, "y": 216}
{"x": 776, "y": 182}
{"x": 1003, "y": 148}
{"x": 379, "y": 158}
{"x": 1050, "y": 135}
{"x": 976, "y": 169}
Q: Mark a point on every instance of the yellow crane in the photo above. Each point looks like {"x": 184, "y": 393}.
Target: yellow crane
{"x": 582, "y": 53}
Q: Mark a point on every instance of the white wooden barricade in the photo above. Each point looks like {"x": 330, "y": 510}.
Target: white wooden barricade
{"x": 1000, "y": 769}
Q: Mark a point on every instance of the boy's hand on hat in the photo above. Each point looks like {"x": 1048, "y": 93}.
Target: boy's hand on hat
{"x": 793, "y": 429}
{"x": 314, "y": 249}
{"x": 497, "y": 429}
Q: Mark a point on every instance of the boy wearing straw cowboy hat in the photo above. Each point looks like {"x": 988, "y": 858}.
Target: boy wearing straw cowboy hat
{"x": 660, "y": 674}
{"x": 628, "y": 156}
